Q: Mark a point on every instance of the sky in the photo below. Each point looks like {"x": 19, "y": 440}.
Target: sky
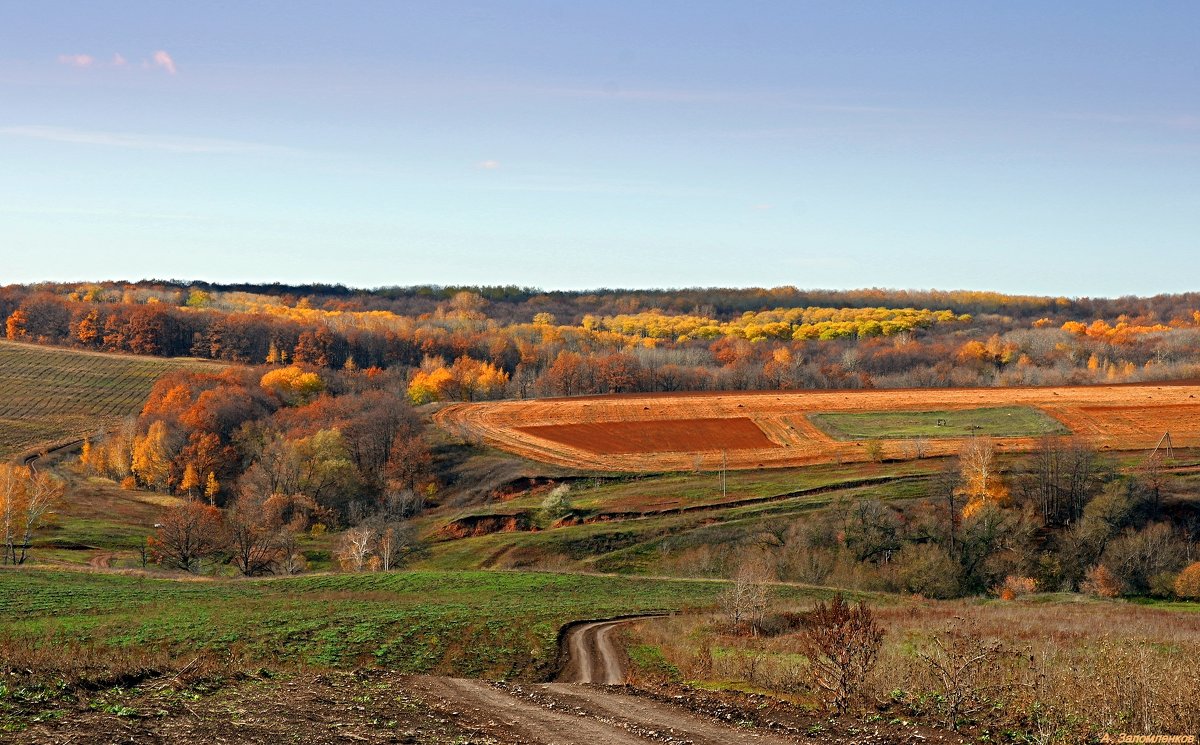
{"x": 1024, "y": 147}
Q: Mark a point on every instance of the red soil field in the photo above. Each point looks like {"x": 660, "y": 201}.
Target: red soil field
{"x": 656, "y": 435}
{"x": 614, "y": 433}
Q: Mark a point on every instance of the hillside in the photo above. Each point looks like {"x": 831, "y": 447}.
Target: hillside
{"x": 49, "y": 394}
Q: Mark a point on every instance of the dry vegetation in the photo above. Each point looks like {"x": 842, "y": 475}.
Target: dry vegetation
{"x": 581, "y": 432}
{"x": 1041, "y": 670}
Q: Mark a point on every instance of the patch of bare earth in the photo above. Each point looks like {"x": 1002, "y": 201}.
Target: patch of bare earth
{"x": 386, "y": 707}
{"x": 369, "y": 706}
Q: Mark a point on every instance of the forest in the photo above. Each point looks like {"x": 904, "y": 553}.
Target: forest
{"x": 472, "y": 343}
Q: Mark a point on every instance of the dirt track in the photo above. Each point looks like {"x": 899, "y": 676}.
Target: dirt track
{"x": 591, "y": 655}
{"x": 1117, "y": 417}
{"x": 568, "y": 714}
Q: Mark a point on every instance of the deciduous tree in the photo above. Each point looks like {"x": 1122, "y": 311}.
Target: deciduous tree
{"x": 188, "y": 534}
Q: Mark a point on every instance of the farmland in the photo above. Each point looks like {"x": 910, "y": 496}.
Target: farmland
{"x": 601, "y": 433}
{"x": 48, "y": 394}
{"x": 1000, "y": 421}
{"x": 463, "y": 623}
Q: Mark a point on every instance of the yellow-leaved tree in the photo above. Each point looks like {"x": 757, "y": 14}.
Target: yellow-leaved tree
{"x": 981, "y": 480}
{"x": 27, "y": 502}
{"x": 152, "y": 454}
{"x": 293, "y": 384}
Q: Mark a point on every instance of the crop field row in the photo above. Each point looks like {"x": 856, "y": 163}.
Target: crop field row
{"x": 49, "y": 394}
{"x": 679, "y": 432}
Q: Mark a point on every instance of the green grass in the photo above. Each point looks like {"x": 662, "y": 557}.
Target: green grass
{"x": 49, "y": 394}
{"x": 1001, "y": 421}
{"x": 663, "y": 493}
{"x": 491, "y": 624}
{"x": 638, "y": 546}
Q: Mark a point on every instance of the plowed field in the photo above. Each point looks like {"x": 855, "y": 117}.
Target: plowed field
{"x": 670, "y": 432}
{"x": 663, "y": 436}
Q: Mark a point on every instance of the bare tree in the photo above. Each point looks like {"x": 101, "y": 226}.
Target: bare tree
{"x": 42, "y": 493}
{"x": 355, "y": 547}
{"x": 188, "y": 534}
{"x": 744, "y": 602}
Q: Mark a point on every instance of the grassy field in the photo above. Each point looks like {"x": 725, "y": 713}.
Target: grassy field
{"x": 1000, "y": 421}
{"x": 492, "y": 624}
{"x": 49, "y": 394}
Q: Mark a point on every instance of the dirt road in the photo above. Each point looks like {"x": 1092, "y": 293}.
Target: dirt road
{"x": 591, "y": 655}
{"x": 570, "y": 714}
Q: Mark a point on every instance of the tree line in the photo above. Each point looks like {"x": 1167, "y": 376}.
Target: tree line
{"x": 516, "y": 342}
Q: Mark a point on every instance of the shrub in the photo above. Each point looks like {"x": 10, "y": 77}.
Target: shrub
{"x": 1015, "y": 586}
{"x": 1102, "y": 582}
{"x": 557, "y": 503}
{"x": 926, "y": 569}
{"x": 970, "y": 672}
{"x": 1187, "y": 584}
{"x": 842, "y": 644}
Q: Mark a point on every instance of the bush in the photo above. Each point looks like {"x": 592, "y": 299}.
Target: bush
{"x": 927, "y": 570}
{"x": 842, "y": 644}
{"x": 971, "y": 673}
{"x": 1014, "y": 587}
{"x": 557, "y": 503}
{"x": 1187, "y": 584}
{"x": 1101, "y": 582}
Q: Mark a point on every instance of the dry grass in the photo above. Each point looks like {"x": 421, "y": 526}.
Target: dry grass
{"x": 1061, "y": 670}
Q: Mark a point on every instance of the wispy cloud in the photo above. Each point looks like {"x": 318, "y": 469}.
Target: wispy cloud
{"x": 160, "y": 59}
{"x": 488, "y": 165}
{"x": 138, "y": 141}
{"x": 163, "y": 60}
{"x": 76, "y": 60}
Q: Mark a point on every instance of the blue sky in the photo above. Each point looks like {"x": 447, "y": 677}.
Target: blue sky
{"x": 1049, "y": 148}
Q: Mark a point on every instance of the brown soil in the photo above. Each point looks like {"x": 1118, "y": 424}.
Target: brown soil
{"x": 369, "y": 707}
{"x": 476, "y": 525}
{"x": 657, "y": 435}
{"x": 372, "y": 706}
{"x": 583, "y": 432}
